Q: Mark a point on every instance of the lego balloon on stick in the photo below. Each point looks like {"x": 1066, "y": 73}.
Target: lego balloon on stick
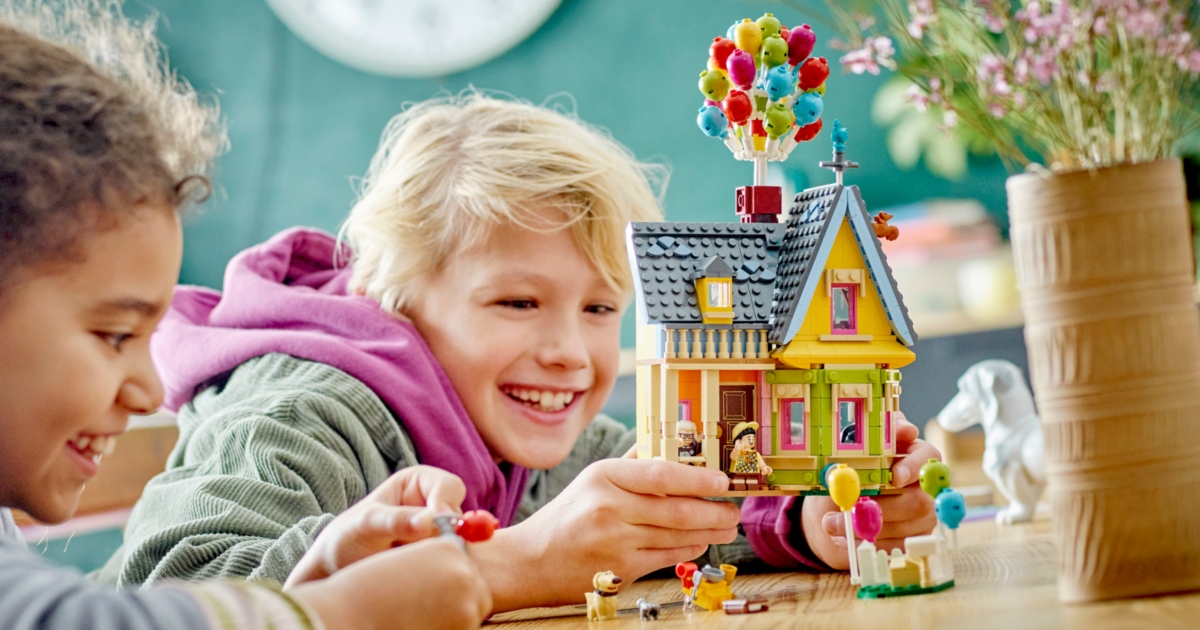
{"x": 770, "y": 90}
{"x": 950, "y": 506}
{"x": 844, "y": 489}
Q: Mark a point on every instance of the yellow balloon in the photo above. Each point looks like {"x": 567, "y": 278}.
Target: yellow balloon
{"x": 748, "y": 36}
{"x": 844, "y": 487}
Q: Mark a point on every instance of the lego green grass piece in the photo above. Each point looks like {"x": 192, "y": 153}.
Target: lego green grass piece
{"x": 882, "y": 591}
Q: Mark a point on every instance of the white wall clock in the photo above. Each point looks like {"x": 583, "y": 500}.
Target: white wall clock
{"x": 413, "y": 38}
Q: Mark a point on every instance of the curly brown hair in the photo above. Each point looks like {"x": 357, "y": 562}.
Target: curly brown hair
{"x": 93, "y": 126}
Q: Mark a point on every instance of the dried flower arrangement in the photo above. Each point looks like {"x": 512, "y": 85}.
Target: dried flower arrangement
{"x": 1084, "y": 84}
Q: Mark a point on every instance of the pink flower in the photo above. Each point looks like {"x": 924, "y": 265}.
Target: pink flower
{"x": 923, "y": 13}
{"x": 876, "y": 52}
{"x": 997, "y": 110}
{"x": 918, "y": 98}
{"x": 990, "y": 66}
{"x": 1021, "y": 71}
{"x": 950, "y": 118}
{"x": 859, "y": 61}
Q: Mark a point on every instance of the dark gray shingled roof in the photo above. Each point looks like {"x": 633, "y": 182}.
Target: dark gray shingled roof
{"x": 666, "y": 257}
{"x": 806, "y": 226}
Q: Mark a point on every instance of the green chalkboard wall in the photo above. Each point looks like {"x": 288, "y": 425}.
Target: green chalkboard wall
{"x": 303, "y": 126}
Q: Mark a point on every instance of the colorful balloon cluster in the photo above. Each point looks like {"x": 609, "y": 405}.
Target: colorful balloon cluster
{"x": 762, "y": 90}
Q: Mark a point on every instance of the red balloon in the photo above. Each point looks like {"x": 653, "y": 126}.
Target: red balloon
{"x": 737, "y": 107}
{"x": 720, "y": 51}
{"x": 800, "y": 41}
{"x": 783, "y": 33}
{"x": 808, "y": 132}
{"x": 477, "y": 526}
{"x": 813, "y": 73}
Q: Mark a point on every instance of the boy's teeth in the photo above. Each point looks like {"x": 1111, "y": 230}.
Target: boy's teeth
{"x": 543, "y": 400}
{"x": 82, "y": 443}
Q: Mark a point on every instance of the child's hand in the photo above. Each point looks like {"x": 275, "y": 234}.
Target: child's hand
{"x": 427, "y": 584}
{"x": 399, "y": 511}
{"x": 627, "y": 516}
{"x": 907, "y": 514}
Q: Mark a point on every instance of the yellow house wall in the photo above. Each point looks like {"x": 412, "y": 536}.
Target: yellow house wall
{"x": 872, "y": 319}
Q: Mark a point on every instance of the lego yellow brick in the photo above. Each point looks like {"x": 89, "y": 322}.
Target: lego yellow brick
{"x": 803, "y": 354}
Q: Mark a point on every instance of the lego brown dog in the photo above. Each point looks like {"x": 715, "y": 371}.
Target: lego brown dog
{"x": 602, "y": 602}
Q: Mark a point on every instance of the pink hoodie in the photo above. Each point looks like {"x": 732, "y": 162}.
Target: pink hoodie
{"x": 287, "y": 296}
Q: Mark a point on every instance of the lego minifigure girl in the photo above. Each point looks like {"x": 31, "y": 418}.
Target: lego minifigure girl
{"x": 746, "y": 466}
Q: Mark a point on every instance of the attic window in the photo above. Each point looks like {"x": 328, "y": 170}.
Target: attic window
{"x": 720, "y": 293}
{"x": 844, "y": 318}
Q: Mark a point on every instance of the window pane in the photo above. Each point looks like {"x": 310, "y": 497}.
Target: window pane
{"x": 718, "y": 294}
{"x": 848, "y": 422}
{"x": 796, "y": 422}
{"x": 842, "y": 319}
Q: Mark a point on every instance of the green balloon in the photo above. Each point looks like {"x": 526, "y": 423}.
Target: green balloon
{"x": 934, "y": 477}
{"x": 774, "y": 51}
{"x": 769, "y": 24}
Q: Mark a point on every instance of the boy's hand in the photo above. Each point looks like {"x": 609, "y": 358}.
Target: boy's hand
{"x": 907, "y": 514}
{"x": 427, "y": 584}
{"x": 627, "y": 516}
{"x": 399, "y": 511}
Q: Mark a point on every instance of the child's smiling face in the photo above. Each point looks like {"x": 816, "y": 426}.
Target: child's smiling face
{"x": 75, "y": 358}
{"x": 529, "y": 333}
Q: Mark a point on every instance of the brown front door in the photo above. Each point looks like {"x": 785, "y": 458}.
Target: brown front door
{"x": 737, "y": 405}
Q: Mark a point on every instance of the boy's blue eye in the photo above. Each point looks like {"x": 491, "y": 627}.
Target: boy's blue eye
{"x": 114, "y": 339}
{"x": 600, "y": 309}
{"x": 521, "y": 305}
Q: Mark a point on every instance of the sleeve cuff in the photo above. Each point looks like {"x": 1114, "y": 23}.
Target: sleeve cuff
{"x": 768, "y": 523}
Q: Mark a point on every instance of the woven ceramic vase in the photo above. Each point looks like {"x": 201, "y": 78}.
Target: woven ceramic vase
{"x": 1104, "y": 264}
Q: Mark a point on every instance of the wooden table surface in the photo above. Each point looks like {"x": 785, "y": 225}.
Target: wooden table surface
{"x": 1004, "y": 578}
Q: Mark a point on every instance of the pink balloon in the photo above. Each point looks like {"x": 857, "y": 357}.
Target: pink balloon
{"x": 740, "y": 65}
{"x": 800, "y": 41}
{"x": 868, "y": 519}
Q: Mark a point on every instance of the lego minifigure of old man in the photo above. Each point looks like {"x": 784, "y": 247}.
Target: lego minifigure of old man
{"x": 689, "y": 439}
{"x": 747, "y": 469}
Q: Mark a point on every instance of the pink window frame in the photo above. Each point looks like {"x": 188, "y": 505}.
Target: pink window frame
{"x": 685, "y": 405}
{"x": 853, "y": 308}
{"x": 859, "y": 429}
{"x": 785, "y": 417}
{"x": 887, "y": 429}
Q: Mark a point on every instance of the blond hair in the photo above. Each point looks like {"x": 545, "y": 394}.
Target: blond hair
{"x": 449, "y": 170}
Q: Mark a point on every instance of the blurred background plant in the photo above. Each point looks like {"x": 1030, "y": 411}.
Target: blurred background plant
{"x": 1082, "y": 84}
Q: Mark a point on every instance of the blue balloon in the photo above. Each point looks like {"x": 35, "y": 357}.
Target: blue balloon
{"x": 808, "y": 108}
{"x": 729, "y": 33}
{"x": 713, "y": 122}
{"x": 951, "y": 507}
{"x": 779, "y": 82}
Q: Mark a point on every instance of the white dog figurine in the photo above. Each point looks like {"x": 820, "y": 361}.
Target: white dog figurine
{"x": 993, "y": 393}
{"x": 602, "y": 602}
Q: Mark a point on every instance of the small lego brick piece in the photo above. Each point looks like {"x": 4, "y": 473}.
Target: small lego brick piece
{"x": 747, "y": 606}
{"x": 602, "y": 602}
{"x": 759, "y": 201}
{"x": 647, "y": 610}
{"x": 711, "y": 586}
{"x": 474, "y": 526}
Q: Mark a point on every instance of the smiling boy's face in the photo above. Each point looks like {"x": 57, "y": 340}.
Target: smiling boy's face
{"x": 529, "y": 333}
{"x": 75, "y": 358}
